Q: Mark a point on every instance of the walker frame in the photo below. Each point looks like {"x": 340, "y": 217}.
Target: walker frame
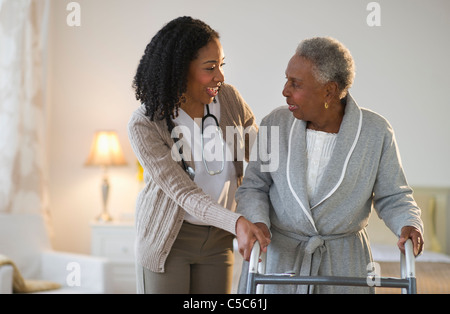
{"x": 257, "y": 277}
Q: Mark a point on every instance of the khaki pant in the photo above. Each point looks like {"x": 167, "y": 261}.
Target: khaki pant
{"x": 201, "y": 261}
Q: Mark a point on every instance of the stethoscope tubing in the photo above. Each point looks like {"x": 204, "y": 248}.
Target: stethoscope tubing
{"x": 190, "y": 171}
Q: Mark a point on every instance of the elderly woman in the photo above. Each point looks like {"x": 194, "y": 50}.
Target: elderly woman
{"x": 336, "y": 159}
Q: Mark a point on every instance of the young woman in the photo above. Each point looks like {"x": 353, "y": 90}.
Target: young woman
{"x": 185, "y": 219}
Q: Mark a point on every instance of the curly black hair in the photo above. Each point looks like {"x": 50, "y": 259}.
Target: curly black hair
{"x": 161, "y": 75}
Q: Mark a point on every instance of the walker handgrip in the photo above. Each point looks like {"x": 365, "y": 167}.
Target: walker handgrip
{"x": 408, "y": 263}
{"x": 254, "y": 258}
{"x": 408, "y": 267}
{"x": 253, "y": 268}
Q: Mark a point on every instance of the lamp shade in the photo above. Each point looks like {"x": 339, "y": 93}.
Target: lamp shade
{"x": 105, "y": 150}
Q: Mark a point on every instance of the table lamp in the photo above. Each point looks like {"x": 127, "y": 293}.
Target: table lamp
{"x": 105, "y": 152}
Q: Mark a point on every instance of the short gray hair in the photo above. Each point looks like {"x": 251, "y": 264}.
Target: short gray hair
{"x": 332, "y": 61}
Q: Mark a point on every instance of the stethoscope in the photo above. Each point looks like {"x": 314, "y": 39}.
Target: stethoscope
{"x": 190, "y": 171}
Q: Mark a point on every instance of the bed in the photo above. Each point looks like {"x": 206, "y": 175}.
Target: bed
{"x": 433, "y": 266}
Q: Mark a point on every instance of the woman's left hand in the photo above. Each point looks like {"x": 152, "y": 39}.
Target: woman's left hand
{"x": 409, "y": 232}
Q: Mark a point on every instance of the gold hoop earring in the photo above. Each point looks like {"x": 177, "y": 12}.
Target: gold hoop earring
{"x": 326, "y": 105}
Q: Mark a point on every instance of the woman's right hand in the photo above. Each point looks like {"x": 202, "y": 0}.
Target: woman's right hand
{"x": 247, "y": 234}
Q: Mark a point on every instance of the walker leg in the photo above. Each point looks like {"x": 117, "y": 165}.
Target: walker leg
{"x": 412, "y": 288}
{"x": 251, "y": 287}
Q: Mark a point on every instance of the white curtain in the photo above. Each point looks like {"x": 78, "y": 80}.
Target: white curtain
{"x": 23, "y": 112}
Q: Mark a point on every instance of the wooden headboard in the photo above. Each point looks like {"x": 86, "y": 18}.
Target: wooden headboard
{"x": 435, "y": 206}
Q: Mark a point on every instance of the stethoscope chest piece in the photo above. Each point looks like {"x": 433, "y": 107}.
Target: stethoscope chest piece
{"x": 191, "y": 172}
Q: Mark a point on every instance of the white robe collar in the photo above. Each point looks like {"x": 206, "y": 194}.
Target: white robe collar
{"x": 335, "y": 172}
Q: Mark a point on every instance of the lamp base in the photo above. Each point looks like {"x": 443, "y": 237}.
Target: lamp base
{"x": 104, "y": 217}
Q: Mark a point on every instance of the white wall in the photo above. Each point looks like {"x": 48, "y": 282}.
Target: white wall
{"x": 402, "y": 73}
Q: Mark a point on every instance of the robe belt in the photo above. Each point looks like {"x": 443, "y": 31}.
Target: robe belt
{"x": 313, "y": 247}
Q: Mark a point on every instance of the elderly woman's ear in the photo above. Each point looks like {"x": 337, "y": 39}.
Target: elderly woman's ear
{"x": 332, "y": 91}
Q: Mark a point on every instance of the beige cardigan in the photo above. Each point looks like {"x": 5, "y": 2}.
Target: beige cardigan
{"x": 168, "y": 190}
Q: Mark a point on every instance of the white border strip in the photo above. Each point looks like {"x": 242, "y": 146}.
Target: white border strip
{"x": 289, "y": 180}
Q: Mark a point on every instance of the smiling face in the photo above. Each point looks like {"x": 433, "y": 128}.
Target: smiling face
{"x": 304, "y": 94}
{"x": 205, "y": 74}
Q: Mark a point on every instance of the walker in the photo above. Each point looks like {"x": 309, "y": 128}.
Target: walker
{"x": 257, "y": 277}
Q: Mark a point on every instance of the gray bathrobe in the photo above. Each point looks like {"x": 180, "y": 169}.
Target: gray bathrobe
{"x": 325, "y": 235}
